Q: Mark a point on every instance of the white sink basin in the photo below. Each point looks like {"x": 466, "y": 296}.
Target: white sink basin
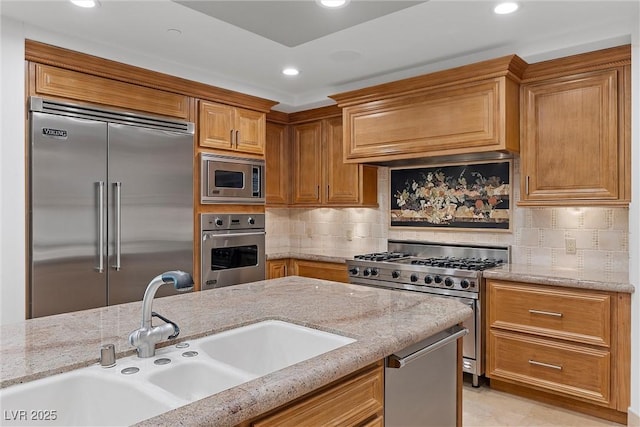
{"x": 96, "y": 396}
{"x": 81, "y": 397}
{"x": 265, "y": 347}
{"x": 197, "y": 380}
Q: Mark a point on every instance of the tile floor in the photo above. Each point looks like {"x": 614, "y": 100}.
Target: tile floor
{"x": 484, "y": 407}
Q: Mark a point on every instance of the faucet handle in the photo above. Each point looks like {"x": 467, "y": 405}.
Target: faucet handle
{"x": 176, "y": 328}
{"x": 181, "y": 280}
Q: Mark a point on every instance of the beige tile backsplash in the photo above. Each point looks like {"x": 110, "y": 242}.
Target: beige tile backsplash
{"x": 537, "y": 236}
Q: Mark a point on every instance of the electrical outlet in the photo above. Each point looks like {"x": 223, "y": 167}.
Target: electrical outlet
{"x": 570, "y": 245}
{"x": 349, "y": 235}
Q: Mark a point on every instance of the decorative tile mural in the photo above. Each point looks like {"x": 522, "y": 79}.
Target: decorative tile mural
{"x": 460, "y": 196}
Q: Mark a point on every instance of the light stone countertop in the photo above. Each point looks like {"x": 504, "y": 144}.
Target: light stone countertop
{"x": 569, "y": 277}
{"x": 314, "y": 255}
{"x": 381, "y": 321}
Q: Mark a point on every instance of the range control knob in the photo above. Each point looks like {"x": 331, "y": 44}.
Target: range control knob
{"x": 464, "y": 283}
{"x": 251, "y": 220}
{"x": 218, "y": 222}
{"x": 354, "y": 271}
{"x": 374, "y": 271}
{"x": 428, "y": 279}
{"x": 448, "y": 282}
{"x": 395, "y": 274}
{"x": 366, "y": 272}
{"x": 414, "y": 277}
{"x": 437, "y": 279}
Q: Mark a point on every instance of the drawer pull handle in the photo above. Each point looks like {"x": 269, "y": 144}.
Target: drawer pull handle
{"x": 546, "y": 313}
{"x": 546, "y": 365}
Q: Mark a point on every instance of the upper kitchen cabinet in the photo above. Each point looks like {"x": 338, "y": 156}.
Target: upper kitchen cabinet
{"x": 277, "y": 162}
{"x": 469, "y": 109}
{"x": 231, "y": 129}
{"x": 320, "y": 176}
{"x": 576, "y": 130}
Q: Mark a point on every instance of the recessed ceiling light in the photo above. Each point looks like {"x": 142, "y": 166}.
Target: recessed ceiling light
{"x": 290, "y": 71}
{"x": 332, "y": 4}
{"x": 506, "y": 8}
{"x": 86, "y": 3}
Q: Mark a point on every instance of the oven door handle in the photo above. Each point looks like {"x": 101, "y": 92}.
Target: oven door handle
{"x": 211, "y": 235}
{"x": 395, "y": 361}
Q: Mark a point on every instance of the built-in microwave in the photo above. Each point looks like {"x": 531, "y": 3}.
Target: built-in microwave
{"x": 227, "y": 179}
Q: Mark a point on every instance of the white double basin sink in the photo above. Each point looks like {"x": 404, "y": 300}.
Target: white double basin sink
{"x": 137, "y": 389}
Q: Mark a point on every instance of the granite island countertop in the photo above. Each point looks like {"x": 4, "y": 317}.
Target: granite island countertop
{"x": 382, "y": 322}
{"x": 569, "y": 277}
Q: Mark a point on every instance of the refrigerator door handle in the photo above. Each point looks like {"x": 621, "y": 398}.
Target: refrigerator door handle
{"x": 117, "y": 192}
{"x": 101, "y": 229}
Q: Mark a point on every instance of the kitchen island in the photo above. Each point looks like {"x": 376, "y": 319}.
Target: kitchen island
{"x": 381, "y": 321}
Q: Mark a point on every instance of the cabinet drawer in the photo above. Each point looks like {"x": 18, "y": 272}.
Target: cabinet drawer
{"x": 569, "y": 369}
{"x": 580, "y": 316}
{"x": 347, "y": 404}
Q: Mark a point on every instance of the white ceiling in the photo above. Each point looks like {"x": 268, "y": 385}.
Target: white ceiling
{"x": 382, "y": 42}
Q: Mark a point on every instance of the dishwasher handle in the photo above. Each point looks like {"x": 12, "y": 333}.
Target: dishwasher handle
{"x": 395, "y": 361}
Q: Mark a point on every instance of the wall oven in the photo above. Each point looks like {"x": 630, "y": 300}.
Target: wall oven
{"x": 233, "y": 249}
{"x": 231, "y": 179}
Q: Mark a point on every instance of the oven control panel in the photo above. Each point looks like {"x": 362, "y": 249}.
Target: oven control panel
{"x": 443, "y": 278}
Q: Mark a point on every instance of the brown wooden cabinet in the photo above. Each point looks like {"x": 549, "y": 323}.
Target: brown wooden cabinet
{"x": 568, "y": 343}
{"x": 277, "y": 268}
{"x": 320, "y": 176}
{"x": 72, "y": 85}
{"x": 575, "y": 130}
{"x": 356, "y": 400}
{"x": 306, "y": 268}
{"x": 277, "y": 164}
{"x": 470, "y": 109}
{"x": 320, "y": 270}
{"x": 231, "y": 129}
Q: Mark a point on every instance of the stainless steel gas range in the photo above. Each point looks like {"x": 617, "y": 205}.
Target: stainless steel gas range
{"x": 448, "y": 270}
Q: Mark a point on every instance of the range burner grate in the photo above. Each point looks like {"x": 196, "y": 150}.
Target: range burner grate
{"x": 476, "y": 264}
{"x": 381, "y": 256}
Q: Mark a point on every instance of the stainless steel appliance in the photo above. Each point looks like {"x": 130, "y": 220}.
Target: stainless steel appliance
{"x": 232, "y": 249}
{"x": 410, "y": 397}
{"x": 231, "y": 179}
{"x": 454, "y": 271}
{"x": 111, "y": 204}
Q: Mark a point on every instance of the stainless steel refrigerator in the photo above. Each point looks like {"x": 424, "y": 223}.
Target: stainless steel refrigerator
{"x": 111, "y": 205}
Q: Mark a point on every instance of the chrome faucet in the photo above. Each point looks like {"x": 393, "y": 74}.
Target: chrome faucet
{"x": 147, "y": 336}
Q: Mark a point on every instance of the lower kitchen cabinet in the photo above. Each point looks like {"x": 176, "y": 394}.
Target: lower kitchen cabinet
{"x": 277, "y": 268}
{"x": 566, "y": 346}
{"x": 334, "y": 271}
{"x": 320, "y": 270}
{"x": 356, "y": 400}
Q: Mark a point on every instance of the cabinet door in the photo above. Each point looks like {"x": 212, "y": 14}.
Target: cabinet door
{"x": 570, "y": 138}
{"x": 342, "y": 179}
{"x": 470, "y": 117}
{"x": 350, "y": 402}
{"x": 249, "y": 128}
{"x": 307, "y": 163}
{"x": 276, "y": 268}
{"x": 572, "y": 370}
{"x": 215, "y": 125}
{"x": 277, "y": 165}
{"x": 336, "y": 272}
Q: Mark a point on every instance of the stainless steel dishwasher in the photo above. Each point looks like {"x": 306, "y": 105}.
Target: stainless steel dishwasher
{"x": 420, "y": 382}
